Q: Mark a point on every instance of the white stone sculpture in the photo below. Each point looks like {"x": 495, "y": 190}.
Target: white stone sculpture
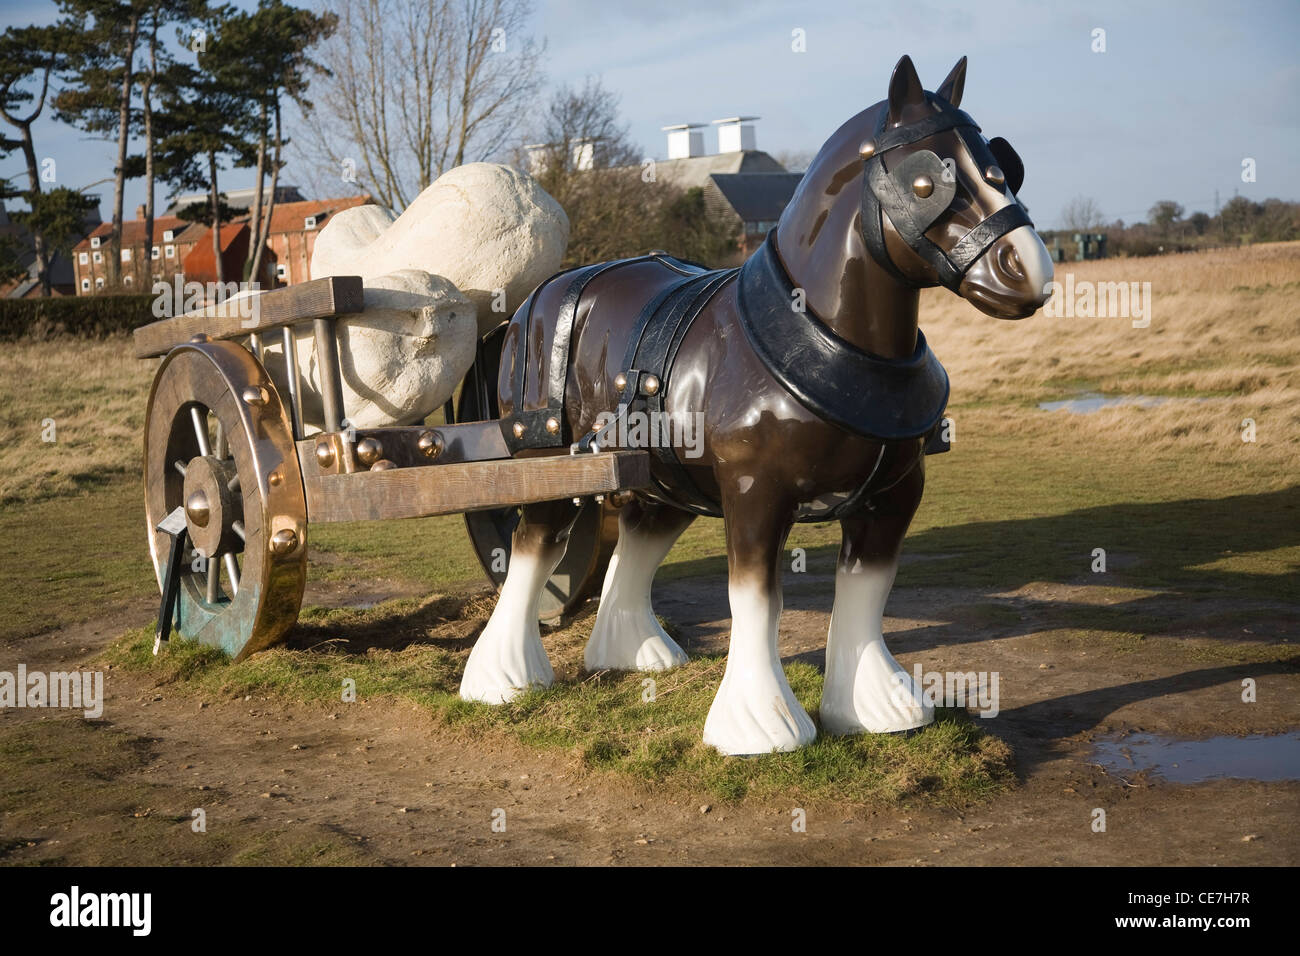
{"x": 455, "y": 264}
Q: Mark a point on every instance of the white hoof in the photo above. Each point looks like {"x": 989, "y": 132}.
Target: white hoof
{"x": 630, "y": 640}
{"x": 867, "y": 691}
{"x": 501, "y": 666}
{"x": 755, "y": 712}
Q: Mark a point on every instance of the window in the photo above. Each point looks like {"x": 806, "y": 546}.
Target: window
{"x": 99, "y": 257}
{"x": 309, "y": 222}
{"x": 99, "y": 282}
{"x": 157, "y": 253}
{"x": 94, "y": 242}
{"x": 171, "y": 252}
{"x": 126, "y": 255}
{"x": 281, "y": 271}
{"x": 83, "y": 258}
{"x": 168, "y": 236}
{"x": 85, "y": 283}
{"x": 126, "y": 280}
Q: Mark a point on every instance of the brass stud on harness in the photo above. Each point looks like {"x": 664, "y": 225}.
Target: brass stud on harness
{"x": 923, "y": 186}
{"x": 254, "y": 395}
{"x": 369, "y": 451}
{"x": 620, "y": 381}
{"x": 995, "y": 176}
{"x": 324, "y": 454}
{"x": 650, "y": 385}
{"x": 383, "y": 465}
{"x": 553, "y": 426}
{"x": 867, "y": 149}
{"x": 430, "y": 444}
{"x": 518, "y": 429}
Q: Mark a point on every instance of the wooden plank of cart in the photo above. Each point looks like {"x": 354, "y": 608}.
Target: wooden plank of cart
{"x": 232, "y": 483}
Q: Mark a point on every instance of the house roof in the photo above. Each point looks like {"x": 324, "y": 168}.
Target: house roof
{"x": 757, "y": 197}
{"x": 289, "y": 216}
{"x": 133, "y": 230}
{"x": 696, "y": 170}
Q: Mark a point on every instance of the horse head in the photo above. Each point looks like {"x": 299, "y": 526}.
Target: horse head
{"x": 909, "y": 194}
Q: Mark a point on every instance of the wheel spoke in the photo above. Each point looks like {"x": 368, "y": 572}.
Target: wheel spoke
{"x": 220, "y": 445}
{"x": 214, "y": 569}
{"x": 238, "y": 528}
{"x": 233, "y": 484}
{"x": 200, "y": 420}
{"x": 180, "y": 466}
{"x": 232, "y": 572}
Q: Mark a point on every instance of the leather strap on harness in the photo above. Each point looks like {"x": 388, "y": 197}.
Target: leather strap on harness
{"x": 882, "y": 196}
{"x": 535, "y": 433}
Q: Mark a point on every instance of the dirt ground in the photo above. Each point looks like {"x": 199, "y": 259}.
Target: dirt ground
{"x": 378, "y": 782}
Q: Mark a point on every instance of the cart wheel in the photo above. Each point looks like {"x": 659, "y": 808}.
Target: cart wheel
{"x": 219, "y": 444}
{"x": 579, "y": 575}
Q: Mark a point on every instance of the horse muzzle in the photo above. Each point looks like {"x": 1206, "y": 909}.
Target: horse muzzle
{"x": 1011, "y": 279}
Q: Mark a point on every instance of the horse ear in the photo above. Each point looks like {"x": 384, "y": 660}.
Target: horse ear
{"x": 904, "y": 89}
{"x": 952, "y": 87}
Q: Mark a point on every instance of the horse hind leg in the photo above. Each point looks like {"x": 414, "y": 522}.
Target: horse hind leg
{"x": 508, "y": 657}
{"x": 626, "y": 635}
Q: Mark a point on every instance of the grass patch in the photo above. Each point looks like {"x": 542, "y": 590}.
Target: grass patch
{"x": 602, "y": 722}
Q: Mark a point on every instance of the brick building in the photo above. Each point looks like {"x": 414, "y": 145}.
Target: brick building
{"x": 185, "y": 248}
{"x": 294, "y": 227}
{"x": 173, "y": 238}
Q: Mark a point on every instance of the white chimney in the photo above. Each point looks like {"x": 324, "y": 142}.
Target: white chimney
{"x": 736, "y": 134}
{"x": 683, "y": 140}
{"x": 536, "y": 153}
{"x": 583, "y": 153}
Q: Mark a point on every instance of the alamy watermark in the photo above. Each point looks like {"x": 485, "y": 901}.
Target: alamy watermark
{"x": 217, "y": 299}
{"x": 977, "y": 689}
{"x": 1086, "y": 299}
{"x": 655, "y": 430}
{"x": 77, "y": 690}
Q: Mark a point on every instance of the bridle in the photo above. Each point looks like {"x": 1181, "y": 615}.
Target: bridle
{"x": 890, "y": 193}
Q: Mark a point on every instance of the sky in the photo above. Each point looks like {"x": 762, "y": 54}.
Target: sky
{"x": 1184, "y": 92}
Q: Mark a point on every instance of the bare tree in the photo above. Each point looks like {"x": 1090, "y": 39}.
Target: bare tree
{"x": 581, "y": 155}
{"x": 1082, "y": 214}
{"x": 416, "y": 87}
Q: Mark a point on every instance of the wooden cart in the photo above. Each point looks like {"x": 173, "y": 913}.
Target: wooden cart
{"x": 231, "y": 482}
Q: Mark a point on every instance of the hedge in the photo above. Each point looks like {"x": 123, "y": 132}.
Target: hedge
{"x": 82, "y": 316}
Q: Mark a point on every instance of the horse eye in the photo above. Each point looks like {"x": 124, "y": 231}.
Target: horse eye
{"x": 995, "y": 175}
{"x": 923, "y": 186}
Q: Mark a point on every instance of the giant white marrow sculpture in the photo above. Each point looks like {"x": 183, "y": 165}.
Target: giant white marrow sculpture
{"x": 458, "y": 261}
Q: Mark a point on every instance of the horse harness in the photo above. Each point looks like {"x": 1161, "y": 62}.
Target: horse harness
{"x": 890, "y": 193}
{"x": 880, "y": 399}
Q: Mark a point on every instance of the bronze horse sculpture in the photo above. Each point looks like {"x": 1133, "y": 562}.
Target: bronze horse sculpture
{"x": 815, "y": 391}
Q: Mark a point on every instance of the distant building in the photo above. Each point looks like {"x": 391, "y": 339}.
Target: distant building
{"x": 740, "y": 181}
{"x": 63, "y": 278}
{"x": 173, "y": 238}
{"x": 236, "y": 198}
{"x": 294, "y": 227}
{"x": 184, "y": 248}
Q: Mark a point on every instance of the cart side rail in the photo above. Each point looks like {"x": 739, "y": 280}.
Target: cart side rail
{"x": 317, "y": 299}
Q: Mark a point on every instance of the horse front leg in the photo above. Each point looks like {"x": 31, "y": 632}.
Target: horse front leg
{"x": 754, "y": 711}
{"x": 508, "y": 657}
{"x": 866, "y": 690}
{"x": 626, "y": 635}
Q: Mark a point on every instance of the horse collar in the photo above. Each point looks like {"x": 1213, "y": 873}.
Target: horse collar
{"x": 870, "y": 396}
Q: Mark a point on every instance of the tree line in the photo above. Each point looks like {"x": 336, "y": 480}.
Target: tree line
{"x": 213, "y": 97}
{"x": 1170, "y": 228}
{"x": 400, "y": 92}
